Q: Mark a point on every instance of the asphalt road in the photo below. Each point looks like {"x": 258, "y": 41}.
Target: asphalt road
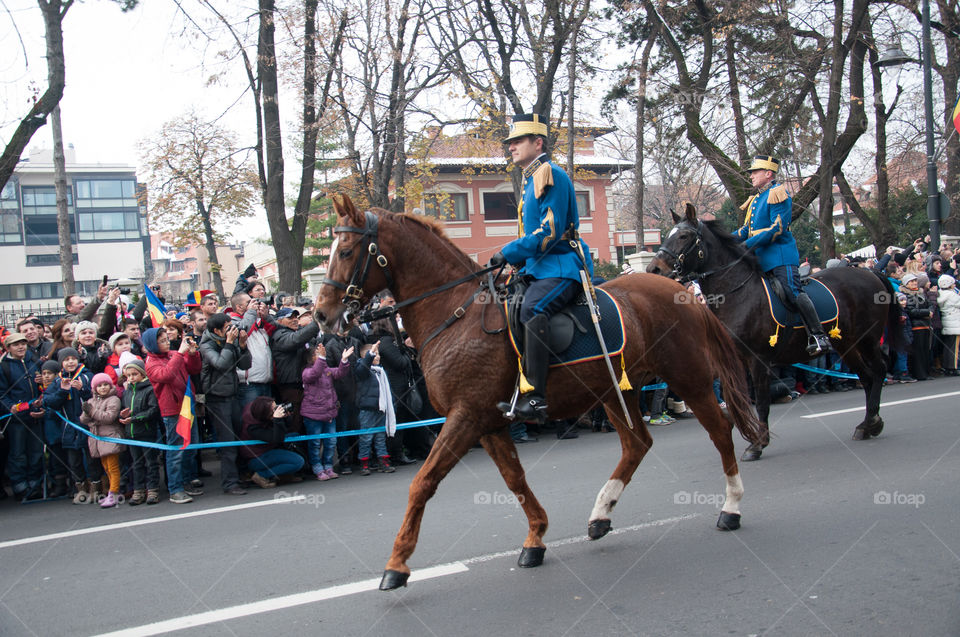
{"x": 838, "y": 538}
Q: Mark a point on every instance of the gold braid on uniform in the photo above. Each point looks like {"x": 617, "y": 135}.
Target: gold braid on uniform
{"x": 542, "y": 178}
{"x": 778, "y": 194}
{"x": 746, "y": 204}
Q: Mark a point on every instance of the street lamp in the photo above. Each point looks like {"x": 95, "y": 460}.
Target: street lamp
{"x": 896, "y": 57}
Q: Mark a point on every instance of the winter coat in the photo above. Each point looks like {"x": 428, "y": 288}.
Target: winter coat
{"x": 94, "y": 358}
{"x": 144, "y": 409}
{"x": 336, "y": 344}
{"x": 919, "y": 310}
{"x": 258, "y": 344}
{"x": 70, "y": 402}
{"x": 368, "y": 389}
{"x": 168, "y": 374}
{"x": 18, "y": 380}
{"x": 102, "y": 421}
{"x": 221, "y": 360}
{"x": 319, "y": 394}
{"x": 259, "y": 424}
{"x": 399, "y": 368}
{"x": 289, "y": 349}
{"x": 949, "y": 302}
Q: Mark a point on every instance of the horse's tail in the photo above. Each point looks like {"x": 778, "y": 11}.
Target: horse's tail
{"x": 893, "y": 334}
{"x": 730, "y": 369}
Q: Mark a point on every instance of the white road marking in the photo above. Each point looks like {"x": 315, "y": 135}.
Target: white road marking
{"x": 342, "y": 590}
{"x": 890, "y": 404}
{"x": 143, "y": 522}
{"x": 278, "y": 603}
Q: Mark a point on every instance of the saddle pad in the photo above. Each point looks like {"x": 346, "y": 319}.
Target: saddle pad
{"x": 585, "y": 346}
{"x": 823, "y": 301}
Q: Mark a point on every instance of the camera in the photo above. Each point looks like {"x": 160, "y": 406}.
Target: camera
{"x": 287, "y": 407}
{"x": 125, "y": 291}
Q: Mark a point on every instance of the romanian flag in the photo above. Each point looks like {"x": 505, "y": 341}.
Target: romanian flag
{"x": 956, "y": 115}
{"x": 155, "y": 308}
{"x": 185, "y": 422}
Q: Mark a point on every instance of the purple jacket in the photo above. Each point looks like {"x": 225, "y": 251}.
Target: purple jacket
{"x": 319, "y": 396}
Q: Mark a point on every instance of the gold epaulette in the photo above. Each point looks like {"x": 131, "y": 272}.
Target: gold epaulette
{"x": 746, "y": 204}
{"x": 778, "y": 194}
{"x": 542, "y": 178}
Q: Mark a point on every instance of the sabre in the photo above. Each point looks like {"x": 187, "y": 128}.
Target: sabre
{"x": 595, "y": 315}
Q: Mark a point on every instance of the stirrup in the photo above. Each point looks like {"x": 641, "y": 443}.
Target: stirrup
{"x": 817, "y": 344}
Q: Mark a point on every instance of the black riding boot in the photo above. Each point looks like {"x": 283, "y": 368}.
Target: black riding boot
{"x": 532, "y": 406}
{"x": 817, "y": 341}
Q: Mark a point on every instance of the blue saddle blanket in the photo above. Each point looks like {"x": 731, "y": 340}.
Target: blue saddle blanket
{"x": 584, "y": 346}
{"x": 823, "y": 301}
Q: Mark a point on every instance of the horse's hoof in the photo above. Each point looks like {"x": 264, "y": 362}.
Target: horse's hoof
{"x": 751, "y": 453}
{"x": 530, "y": 557}
{"x": 860, "y": 434}
{"x": 598, "y": 528}
{"x": 393, "y": 579}
{"x": 876, "y": 427}
{"x": 728, "y": 521}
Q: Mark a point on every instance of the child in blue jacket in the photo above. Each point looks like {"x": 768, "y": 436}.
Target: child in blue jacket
{"x": 66, "y": 395}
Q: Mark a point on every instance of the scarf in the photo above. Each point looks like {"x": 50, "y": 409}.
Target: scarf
{"x": 386, "y": 400}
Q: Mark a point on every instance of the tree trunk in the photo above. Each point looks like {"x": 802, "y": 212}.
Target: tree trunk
{"x": 638, "y": 185}
{"x": 741, "y": 134}
{"x": 211, "y": 245}
{"x": 63, "y": 212}
{"x": 53, "y": 13}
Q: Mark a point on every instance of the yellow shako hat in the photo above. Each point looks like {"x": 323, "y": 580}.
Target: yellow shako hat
{"x": 526, "y": 124}
{"x": 764, "y": 162}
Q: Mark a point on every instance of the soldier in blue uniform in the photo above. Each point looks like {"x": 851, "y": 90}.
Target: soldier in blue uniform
{"x": 548, "y": 248}
{"x": 766, "y": 229}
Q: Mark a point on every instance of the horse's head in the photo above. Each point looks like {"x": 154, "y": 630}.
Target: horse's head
{"x": 681, "y": 253}
{"x": 357, "y": 269}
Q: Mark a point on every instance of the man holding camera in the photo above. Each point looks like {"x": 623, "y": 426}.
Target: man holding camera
{"x": 224, "y": 353}
{"x": 253, "y": 317}
{"x": 288, "y": 345}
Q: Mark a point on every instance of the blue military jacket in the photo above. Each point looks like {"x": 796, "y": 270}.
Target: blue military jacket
{"x": 548, "y": 209}
{"x": 767, "y": 226}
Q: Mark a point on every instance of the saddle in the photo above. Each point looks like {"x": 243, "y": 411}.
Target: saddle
{"x": 572, "y": 338}
{"x": 784, "y": 311}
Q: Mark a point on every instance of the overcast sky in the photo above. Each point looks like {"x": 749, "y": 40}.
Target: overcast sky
{"x": 127, "y": 73}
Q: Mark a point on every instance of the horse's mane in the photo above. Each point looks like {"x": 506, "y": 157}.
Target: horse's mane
{"x": 436, "y": 227}
{"x": 731, "y": 243}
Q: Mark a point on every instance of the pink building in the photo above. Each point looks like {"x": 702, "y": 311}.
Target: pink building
{"x": 469, "y": 187}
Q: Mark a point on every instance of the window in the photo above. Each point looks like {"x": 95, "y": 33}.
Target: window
{"x": 106, "y": 193}
{"x": 36, "y": 291}
{"x": 48, "y": 259}
{"x": 42, "y": 200}
{"x": 499, "y": 206}
{"x": 10, "y": 227}
{"x": 41, "y": 230}
{"x": 100, "y": 226}
{"x": 8, "y": 196}
{"x": 448, "y": 206}
{"x": 583, "y": 204}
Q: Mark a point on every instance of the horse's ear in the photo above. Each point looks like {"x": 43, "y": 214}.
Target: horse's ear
{"x": 343, "y": 206}
{"x": 676, "y": 218}
{"x": 691, "y": 212}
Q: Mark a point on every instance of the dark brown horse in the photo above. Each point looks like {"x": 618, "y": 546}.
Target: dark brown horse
{"x": 731, "y": 276}
{"x": 468, "y": 370}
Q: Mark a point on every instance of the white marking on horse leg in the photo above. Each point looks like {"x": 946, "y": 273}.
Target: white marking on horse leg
{"x": 731, "y": 503}
{"x": 606, "y": 500}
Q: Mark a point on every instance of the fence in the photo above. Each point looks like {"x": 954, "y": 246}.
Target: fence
{"x": 49, "y": 313}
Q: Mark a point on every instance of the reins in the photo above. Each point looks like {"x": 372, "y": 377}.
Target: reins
{"x": 679, "y": 261}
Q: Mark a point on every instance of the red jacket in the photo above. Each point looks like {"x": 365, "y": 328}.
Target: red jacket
{"x": 168, "y": 374}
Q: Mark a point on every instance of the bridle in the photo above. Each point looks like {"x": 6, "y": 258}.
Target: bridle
{"x": 684, "y": 274}
{"x": 353, "y": 291}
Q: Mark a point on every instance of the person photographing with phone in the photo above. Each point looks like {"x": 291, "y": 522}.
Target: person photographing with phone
{"x": 252, "y": 317}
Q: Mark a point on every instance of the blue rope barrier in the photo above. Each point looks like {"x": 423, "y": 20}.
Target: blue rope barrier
{"x": 826, "y": 372}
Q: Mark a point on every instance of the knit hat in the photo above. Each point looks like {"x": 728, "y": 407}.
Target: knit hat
{"x": 50, "y": 366}
{"x": 116, "y": 336}
{"x": 834, "y": 263}
{"x": 135, "y": 362}
{"x": 149, "y": 340}
{"x": 907, "y": 278}
{"x": 901, "y": 296}
{"x": 946, "y": 281}
{"x": 86, "y": 325}
{"x": 99, "y": 379}
{"x": 64, "y": 352}
{"x": 900, "y": 258}
{"x": 922, "y": 280}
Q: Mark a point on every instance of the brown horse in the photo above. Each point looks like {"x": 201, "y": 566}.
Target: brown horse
{"x": 468, "y": 370}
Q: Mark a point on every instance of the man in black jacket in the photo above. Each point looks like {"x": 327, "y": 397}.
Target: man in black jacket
{"x": 19, "y": 396}
{"x": 223, "y": 351}
{"x": 289, "y": 346}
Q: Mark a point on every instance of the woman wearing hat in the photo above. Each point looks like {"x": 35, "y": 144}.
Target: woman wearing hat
{"x": 949, "y": 301}
{"x": 921, "y": 314}
{"x": 766, "y": 230}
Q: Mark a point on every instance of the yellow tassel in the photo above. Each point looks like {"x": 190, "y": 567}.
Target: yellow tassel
{"x": 525, "y": 385}
{"x": 835, "y": 333}
{"x": 775, "y": 337}
{"x": 624, "y": 381}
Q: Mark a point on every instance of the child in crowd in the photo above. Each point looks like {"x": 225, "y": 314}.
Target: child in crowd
{"x": 53, "y": 433}
{"x": 66, "y": 393}
{"x": 375, "y": 405}
{"x": 319, "y": 408}
{"x": 119, "y": 343}
{"x": 141, "y": 421}
{"x": 100, "y": 413}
